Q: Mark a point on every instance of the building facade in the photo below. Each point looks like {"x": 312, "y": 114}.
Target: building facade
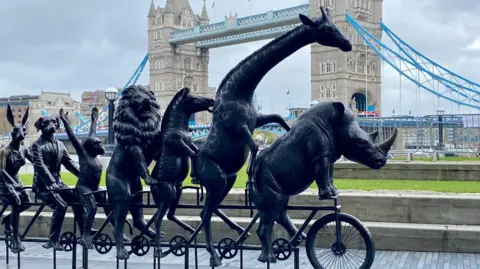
{"x": 92, "y": 99}
{"x": 18, "y": 105}
{"x": 174, "y": 67}
{"x": 353, "y": 78}
{"x": 50, "y": 102}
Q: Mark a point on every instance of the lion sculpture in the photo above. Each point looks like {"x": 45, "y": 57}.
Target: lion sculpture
{"x": 136, "y": 125}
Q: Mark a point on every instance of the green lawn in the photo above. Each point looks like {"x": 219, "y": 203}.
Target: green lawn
{"x": 350, "y": 184}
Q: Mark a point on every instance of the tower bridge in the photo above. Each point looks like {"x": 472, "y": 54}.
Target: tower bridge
{"x": 179, "y": 42}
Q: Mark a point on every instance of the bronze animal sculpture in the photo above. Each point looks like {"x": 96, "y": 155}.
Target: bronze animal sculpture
{"x": 12, "y": 158}
{"x": 48, "y": 154}
{"x": 89, "y": 179}
{"x": 136, "y": 125}
{"x": 319, "y": 137}
{"x": 234, "y": 117}
{"x": 172, "y": 162}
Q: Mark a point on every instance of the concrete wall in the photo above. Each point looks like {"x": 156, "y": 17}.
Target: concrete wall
{"x": 397, "y": 221}
{"x": 468, "y": 171}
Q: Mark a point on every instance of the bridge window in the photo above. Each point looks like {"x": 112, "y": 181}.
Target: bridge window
{"x": 157, "y": 86}
{"x": 177, "y": 63}
{"x": 195, "y": 87}
{"x": 187, "y": 63}
{"x": 155, "y": 35}
{"x": 322, "y": 69}
{"x": 361, "y": 64}
{"x": 197, "y": 66}
{"x": 179, "y": 83}
{"x": 162, "y": 86}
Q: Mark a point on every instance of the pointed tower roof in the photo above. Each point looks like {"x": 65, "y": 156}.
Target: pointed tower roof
{"x": 151, "y": 11}
{"x": 168, "y": 7}
{"x": 204, "y": 15}
{"x": 176, "y": 6}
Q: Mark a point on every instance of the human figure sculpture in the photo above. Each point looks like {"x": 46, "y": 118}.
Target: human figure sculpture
{"x": 319, "y": 137}
{"x": 48, "y": 154}
{"x": 136, "y": 125}
{"x": 172, "y": 162}
{"x": 12, "y": 158}
{"x": 90, "y": 174}
{"x": 234, "y": 117}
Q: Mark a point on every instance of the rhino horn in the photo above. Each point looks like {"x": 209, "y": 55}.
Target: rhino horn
{"x": 387, "y": 144}
{"x": 373, "y": 135}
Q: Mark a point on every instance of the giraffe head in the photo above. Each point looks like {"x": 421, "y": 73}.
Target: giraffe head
{"x": 325, "y": 32}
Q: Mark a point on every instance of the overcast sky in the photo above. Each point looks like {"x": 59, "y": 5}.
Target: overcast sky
{"x": 63, "y": 45}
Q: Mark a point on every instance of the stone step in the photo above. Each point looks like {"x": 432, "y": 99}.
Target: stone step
{"x": 376, "y": 206}
{"x": 387, "y": 235}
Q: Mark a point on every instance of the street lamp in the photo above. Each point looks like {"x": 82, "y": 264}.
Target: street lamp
{"x": 440, "y": 113}
{"x": 111, "y": 95}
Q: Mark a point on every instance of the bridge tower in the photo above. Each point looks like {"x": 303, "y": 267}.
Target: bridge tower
{"x": 347, "y": 77}
{"x": 174, "y": 67}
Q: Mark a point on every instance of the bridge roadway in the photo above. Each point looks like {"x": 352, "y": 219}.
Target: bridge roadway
{"x": 37, "y": 257}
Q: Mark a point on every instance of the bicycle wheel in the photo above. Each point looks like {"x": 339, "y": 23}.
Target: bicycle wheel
{"x": 356, "y": 249}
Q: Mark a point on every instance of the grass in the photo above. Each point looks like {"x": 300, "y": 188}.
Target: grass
{"x": 350, "y": 184}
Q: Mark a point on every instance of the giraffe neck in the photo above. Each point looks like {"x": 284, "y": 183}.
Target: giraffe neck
{"x": 249, "y": 72}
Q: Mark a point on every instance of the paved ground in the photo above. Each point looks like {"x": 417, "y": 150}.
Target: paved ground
{"x": 38, "y": 258}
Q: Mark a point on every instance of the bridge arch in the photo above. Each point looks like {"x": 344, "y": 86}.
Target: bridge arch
{"x": 360, "y": 101}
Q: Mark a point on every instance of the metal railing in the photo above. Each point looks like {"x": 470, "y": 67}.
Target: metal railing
{"x": 447, "y": 134}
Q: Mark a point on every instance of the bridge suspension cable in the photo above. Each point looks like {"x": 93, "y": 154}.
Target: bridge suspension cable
{"x": 103, "y": 115}
{"x": 431, "y": 82}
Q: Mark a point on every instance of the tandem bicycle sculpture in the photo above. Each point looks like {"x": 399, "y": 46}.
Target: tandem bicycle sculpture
{"x": 327, "y": 243}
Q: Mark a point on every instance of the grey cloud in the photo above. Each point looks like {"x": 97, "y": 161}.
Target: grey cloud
{"x": 61, "y": 45}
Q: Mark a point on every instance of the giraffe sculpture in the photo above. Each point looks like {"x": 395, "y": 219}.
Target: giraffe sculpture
{"x": 234, "y": 117}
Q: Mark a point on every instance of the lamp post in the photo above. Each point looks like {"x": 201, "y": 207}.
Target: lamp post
{"x": 440, "y": 112}
{"x": 111, "y": 95}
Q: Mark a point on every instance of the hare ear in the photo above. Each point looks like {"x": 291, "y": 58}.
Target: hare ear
{"x": 10, "y": 117}
{"x": 25, "y": 116}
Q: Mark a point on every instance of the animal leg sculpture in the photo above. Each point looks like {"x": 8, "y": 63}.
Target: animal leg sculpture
{"x": 137, "y": 213}
{"x": 119, "y": 196}
{"x": 244, "y": 134}
{"x": 173, "y": 207}
{"x": 101, "y": 198}
{"x": 269, "y": 204}
{"x": 16, "y": 242}
{"x": 120, "y": 212}
{"x": 322, "y": 178}
{"x": 286, "y": 222}
{"x": 163, "y": 195}
{"x": 11, "y": 221}
{"x": 89, "y": 211}
{"x": 330, "y": 178}
{"x": 234, "y": 226}
{"x": 214, "y": 181}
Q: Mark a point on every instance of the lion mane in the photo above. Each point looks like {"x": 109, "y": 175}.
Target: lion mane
{"x": 128, "y": 127}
